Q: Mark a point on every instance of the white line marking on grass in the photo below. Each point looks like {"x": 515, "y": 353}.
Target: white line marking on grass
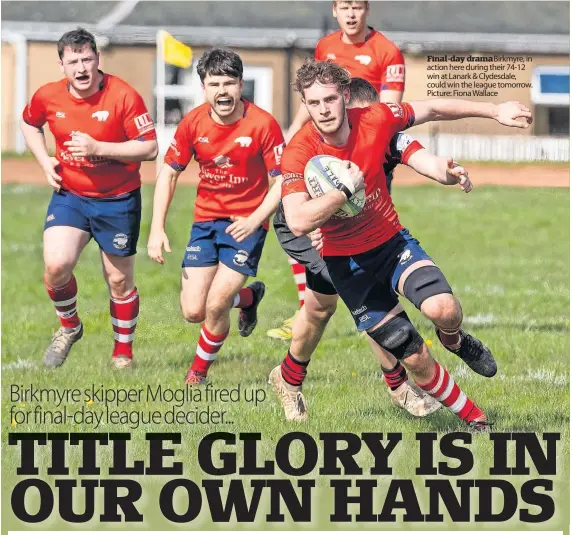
{"x": 480, "y": 319}
{"x": 18, "y": 247}
{"x": 21, "y": 189}
{"x": 19, "y": 365}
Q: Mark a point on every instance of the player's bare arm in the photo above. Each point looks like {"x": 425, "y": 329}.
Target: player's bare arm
{"x": 164, "y": 193}
{"x": 511, "y": 113}
{"x": 390, "y": 95}
{"x": 304, "y": 214}
{"x": 242, "y": 227}
{"x": 36, "y": 142}
{"x": 443, "y": 170}
{"x": 133, "y": 150}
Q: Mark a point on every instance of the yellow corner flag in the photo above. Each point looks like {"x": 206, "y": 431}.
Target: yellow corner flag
{"x": 175, "y": 52}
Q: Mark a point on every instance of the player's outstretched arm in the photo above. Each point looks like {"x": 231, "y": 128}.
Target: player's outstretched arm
{"x": 242, "y": 227}
{"x": 443, "y": 170}
{"x": 390, "y": 95}
{"x": 133, "y": 150}
{"x": 510, "y": 113}
{"x": 302, "y": 117}
{"x": 164, "y": 192}
{"x": 36, "y": 142}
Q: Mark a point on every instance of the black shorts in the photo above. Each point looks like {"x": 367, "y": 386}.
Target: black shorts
{"x": 300, "y": 249}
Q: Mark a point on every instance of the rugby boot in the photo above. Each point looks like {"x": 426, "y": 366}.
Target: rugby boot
{"x": 248, "y": 317}
{"x": 62, "y": 341}
{"x": 121, "y": 362}
{"x": 291, "y": 397}
{"x": 474, "y": 354}
{"x": 415, "y": 401}
{"x": 284, "y": 332}
{"x": 195, "y": 378}
{"x": 478, "y": 422}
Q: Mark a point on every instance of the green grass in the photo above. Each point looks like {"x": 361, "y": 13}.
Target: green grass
{"x": 505, "y": 252}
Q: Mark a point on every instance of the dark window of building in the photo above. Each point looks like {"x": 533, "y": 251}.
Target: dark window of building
{"x": 559, "y": 121}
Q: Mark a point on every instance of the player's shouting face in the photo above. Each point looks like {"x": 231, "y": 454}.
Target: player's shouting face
{"x": 79, "y": 65}
{"x": 223, "y": 93}
{"x": 351, "y": 16}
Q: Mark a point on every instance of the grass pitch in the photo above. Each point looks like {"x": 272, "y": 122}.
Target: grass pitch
{"x": 504, "y": 251}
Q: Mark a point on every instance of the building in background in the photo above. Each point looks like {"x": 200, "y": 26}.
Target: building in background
{"x": 273, "y": 39}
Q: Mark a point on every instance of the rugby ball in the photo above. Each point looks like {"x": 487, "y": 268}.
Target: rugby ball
{"x": 322, "y": 174}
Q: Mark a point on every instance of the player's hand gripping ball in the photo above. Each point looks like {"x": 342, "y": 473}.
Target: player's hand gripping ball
{"x": 324, "y": 173}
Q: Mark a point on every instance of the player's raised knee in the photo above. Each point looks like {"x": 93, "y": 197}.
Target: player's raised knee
{"x": 443, "y": 308}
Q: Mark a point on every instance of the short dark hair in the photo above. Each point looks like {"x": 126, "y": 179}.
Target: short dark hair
{"x": 220, "y": 62}
{"x": 324, "y": 72}
{"x": 362, "y": 91}
{"x": 76, "y": 40}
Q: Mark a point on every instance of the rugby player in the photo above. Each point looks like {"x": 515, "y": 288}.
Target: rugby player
{"x": 238, "y": 148}
{"x": 322, "y": 298}
{"x": 102, "y": 131}
{"x": 371, "y": 258}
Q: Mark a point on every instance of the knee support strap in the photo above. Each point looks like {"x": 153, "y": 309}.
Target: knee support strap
{"x": 398, "y": 336}
{"x": 425, "y": 282}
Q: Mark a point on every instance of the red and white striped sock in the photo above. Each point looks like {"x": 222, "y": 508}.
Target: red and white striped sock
{"x": 244, "y": 298}
{"x": 444, "y": 389}
{"x": 124, "y": 314}
{"x": 207, "y": 350}
{"x": 65, "y": 301}
{"x": 299, "y": 272}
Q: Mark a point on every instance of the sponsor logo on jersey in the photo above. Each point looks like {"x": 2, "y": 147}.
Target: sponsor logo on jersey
{"x": 61, "y": 114}
{"x": 359, "y": 310}
{"x": 240, "y": 258}
{"x": 330, "y": 56}
{"x": 396, "y": 109}
{"x": 120, "y": 241}
{"x": 51, "y": 217}
{"x": 363, "y": 318}
{"x": 278, "y": 150}
{"x": 194, "y": 249}
{"x": 222, "y": 161}
{"x": 100, "y": 115}
{"x": 144, "y": 123}
{"x": 364, "y": 60}
{"x": 395, "y": 73}
{"x": 244, "y": 141}
{"x": 203, "y": 139}
{"x": 406, "y": 256}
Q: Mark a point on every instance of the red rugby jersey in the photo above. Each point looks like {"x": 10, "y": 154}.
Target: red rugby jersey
{"x": 371, "y": 132}
{"x": 234, "y": 159}
{"x": 377, "y": 60}
{"x": 116, "y": 113}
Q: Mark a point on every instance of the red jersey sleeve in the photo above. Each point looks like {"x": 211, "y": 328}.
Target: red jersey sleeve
{"x": 136, "y": 119}
{"x": 181, "y": 150}
{"x": 410, "y": 150}
{"x": 272, "y": 147}
{"x": 396, "y": 117}
{"x": 393, "y": 75}
{"x": 294, "y": 159}
{"x": 35, "y": 113}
